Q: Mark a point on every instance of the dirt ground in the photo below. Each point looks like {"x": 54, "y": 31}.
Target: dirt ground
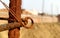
{"x": 39, "y": 30}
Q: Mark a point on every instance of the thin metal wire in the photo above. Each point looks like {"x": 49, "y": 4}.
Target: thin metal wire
{"x": 10, "y": 10}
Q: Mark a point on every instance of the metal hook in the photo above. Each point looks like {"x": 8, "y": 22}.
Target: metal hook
{"x": 25, "y": 22}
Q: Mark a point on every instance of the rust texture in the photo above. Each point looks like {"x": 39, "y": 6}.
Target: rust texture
{"x": 15, "y": 20}
{"x": 14, "y": 5}
{"x": 4, "y": 27}
{"x": 13, "y": 25}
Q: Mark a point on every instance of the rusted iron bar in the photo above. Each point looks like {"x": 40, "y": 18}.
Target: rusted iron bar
{"x": 15, "y": 5}
{"x": 15, "y": 20}
{"x": 16, "y": 24}
{"x": 9, "y": 26}
{"x": 10, "y": 10}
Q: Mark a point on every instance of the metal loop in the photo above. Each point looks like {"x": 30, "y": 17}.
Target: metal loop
{"x": 25, "y": 22}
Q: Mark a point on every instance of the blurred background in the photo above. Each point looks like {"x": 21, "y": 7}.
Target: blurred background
{"x": 46, "y": 16}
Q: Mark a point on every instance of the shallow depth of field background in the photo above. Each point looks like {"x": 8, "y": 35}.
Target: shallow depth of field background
{"x": 39, "y": 30}
{"x": 49, "y": 29}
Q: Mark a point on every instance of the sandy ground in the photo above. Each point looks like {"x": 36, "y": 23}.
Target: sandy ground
{"x": 40, "y": 30}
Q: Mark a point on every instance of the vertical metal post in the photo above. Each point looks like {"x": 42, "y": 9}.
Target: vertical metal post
{"x": 15, "y": 5}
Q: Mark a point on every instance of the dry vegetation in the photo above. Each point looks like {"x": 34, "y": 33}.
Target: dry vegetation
{"x": 43, "y": 30}
{"x": 39, "y": 30}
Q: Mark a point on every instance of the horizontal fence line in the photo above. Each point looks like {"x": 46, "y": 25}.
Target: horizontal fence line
{"x": 3, "y": 18}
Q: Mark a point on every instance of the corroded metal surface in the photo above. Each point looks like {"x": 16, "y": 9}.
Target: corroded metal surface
{"x": 14, "y": 5}
{"x": 8, "y": 26}
{"x": 16, "y": 24}
{"x": 15, "y": 20}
